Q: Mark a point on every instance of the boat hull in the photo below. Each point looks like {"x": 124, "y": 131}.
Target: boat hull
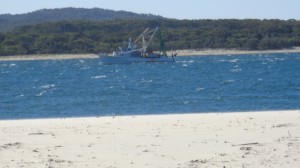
{"x": 128, "y": 60}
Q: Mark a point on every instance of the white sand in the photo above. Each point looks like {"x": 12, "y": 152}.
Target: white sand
{"x": 257, "y": 139}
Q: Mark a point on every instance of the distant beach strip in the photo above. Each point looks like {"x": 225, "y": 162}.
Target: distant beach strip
{"x": 191, "y": 52}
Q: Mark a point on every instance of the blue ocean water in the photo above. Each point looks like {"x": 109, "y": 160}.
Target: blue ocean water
{"x": 194, "y": 84}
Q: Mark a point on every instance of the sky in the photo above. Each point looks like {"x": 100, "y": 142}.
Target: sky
{"x": 179, "y": 9}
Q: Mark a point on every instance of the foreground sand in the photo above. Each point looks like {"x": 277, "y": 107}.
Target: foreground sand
{"x": 179, "y": 53}
{"x": 258, "y": 139}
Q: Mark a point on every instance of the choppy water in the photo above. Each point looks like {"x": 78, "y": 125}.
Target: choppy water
{"x": 72, "y": 88}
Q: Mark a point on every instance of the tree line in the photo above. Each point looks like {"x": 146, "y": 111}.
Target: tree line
{"x": 105, "y": 36}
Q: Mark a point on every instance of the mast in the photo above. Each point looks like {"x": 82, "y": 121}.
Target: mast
{"x": 143, "y": 34}
{"x": 161, "y": 43}
{"x": 146, "y": 38}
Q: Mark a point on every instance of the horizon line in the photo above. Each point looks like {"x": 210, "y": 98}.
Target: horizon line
{"x": 228, "y": 18}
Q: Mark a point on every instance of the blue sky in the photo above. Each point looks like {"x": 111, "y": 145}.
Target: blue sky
{"x": 180, "y": 9}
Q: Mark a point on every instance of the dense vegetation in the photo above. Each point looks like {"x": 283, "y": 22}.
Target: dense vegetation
{"x": 105, "y": 36}
{"x": 8, "y": 21}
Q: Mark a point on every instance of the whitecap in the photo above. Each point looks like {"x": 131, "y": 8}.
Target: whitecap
{"x": 12, "y": 65}
{"x": 48, "y": 86}
{"x": 115, "y": 70}
{"x": 185, "y": 65}
{"x": 199, "y": 88}
{"x": 236, "y": 70}
{"x": 234, "y": 60}
{"x": 41, "y": 93}
{"x": 270, "y": 60}
{"x": 279, "y": 59}
{"x": 186, "y": 61}
{"x": 146, "y": 81}
{"x": 185, "y": 102}
{"x": 5, "y": 72}
{"x": 21, "y": 95}
{"x": 100, "y": 76}
{"x": 180, "y": 61}
{"x": 229, "y": 81}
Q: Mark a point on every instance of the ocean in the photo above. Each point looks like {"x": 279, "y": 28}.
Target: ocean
{"x": 193, "y": 84}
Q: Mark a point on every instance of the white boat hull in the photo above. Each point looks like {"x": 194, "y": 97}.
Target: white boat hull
{"x": 121, "y": 59}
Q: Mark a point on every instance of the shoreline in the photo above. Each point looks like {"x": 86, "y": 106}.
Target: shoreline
{"x": 191, "y": 52}
{"x": 215, "y": 52}
{"x": 239, "y": 139}
{"x": 48, "y": 57}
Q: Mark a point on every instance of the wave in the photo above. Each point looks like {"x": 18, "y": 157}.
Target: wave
{"x": 100, "y": 76}
{"x": 146, "y": 81}
{"x": 12, "y": 65}
{"x": 3, "y": 65}
{"x": 229, "y": 81}
{"x": 21, "y": 95}
{"x": 199, "y": 88}
{"x": 234, "y": 60}
{"x": 236, "y": 70}
{"x": 41, "y": 93}
{"x": 224, "y": 60}
{"x": 48, "y": 86}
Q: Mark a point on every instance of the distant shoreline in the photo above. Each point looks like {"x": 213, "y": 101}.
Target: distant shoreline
{"x": 48, "y": 57}
{"x": 207, "y": 52}
{"x": 190, "y": 52}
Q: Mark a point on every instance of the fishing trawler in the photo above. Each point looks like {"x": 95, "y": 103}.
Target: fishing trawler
{"x": 139, "y": 50}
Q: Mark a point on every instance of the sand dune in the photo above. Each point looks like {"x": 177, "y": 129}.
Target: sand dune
{"x": 257, "y": 139}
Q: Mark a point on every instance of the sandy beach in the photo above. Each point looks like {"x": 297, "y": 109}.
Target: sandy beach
{"x": 199, "y": 52}
{"x": 249, "y": 139}
{"x": 48, "y": 57}
{"x": 204, "y": 52}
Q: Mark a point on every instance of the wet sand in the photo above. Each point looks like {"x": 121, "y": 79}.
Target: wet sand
{"x": 248, "y": 139}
